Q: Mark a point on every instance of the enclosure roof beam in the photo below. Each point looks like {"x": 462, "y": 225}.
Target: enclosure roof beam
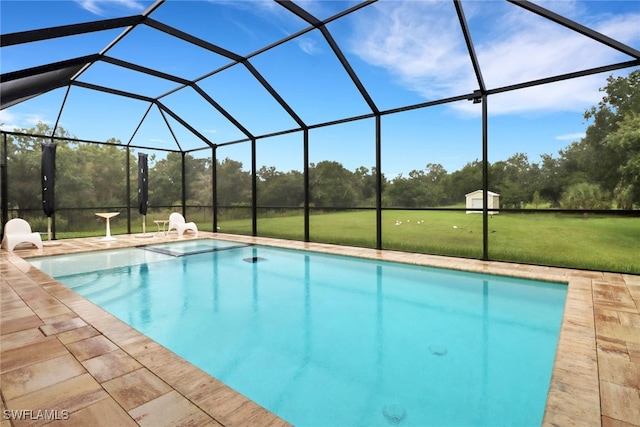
{"x": 303, "y": 14}
{"x": 123, "y": 34}
{"x": 300, "y": 12}
{"x": 18, "y": 86}
{"x": 112, "y": 91}
{"x": 183, "y": 123}
{"x": 133, "y": 135}
{"x": 355, "y": 118}
{"x": 221, "y": 110}
{"x": 150, "y": 100}
{"x": 185, "y": 83}
{"x": 227, "y": 54}
{"x": 568, "y": 23}
{"x": 568, "y": 76}
{"x": 68, "y": 30}
{"x": 144, "y": 70}
{"x": 173, "y": 135}
{"x": 468, "y": 40}
{"x": 193, "y": 39}
{"x": 347, "y": 66}
{"x": 274, "y": 94}
{"x": 211, "y": 101}
{"x": 41, "y": 69}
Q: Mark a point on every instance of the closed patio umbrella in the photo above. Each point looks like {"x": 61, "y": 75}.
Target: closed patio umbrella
{"x": 143, "y": 189}
{"x": 48, "y": 168}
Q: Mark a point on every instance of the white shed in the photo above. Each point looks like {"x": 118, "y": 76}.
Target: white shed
{"x": 474, "y": 201}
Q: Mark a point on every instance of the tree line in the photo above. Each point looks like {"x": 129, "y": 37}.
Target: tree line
{"x": 600, "y": 171}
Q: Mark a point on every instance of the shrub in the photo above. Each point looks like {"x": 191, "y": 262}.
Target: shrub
{"x": 585, "y": 196}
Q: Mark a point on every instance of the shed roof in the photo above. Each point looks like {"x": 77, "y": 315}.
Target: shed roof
{"x": 490, "y": 193}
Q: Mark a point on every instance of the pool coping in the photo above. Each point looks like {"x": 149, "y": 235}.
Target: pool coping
{"x": 592, "y": 383}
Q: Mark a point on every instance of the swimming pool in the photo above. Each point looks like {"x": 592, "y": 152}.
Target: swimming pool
{"x": 328, "y": 340}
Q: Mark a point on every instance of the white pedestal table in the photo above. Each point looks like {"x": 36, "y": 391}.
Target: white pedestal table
{"x": 107, "y": 216}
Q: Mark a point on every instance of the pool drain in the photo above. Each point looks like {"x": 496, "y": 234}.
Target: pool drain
{"x": 253, "y": 259}
{"x": 437, "y": 350}
{"x": 394, "y": 414}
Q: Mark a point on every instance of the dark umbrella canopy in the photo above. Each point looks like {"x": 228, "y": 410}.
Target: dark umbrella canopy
{"x": 48, "y": 178}
{"x": 143, "y": 184}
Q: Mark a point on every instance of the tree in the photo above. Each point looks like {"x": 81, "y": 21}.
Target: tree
{"x": 24, "y": 172}
{"x": 104, "y": 169}
{"x": 407, "y": 192}
{"x": 608, "y": 153}
{"x": 423, "y": 188}
{"x": 199, "y": 181}
{"x": 626, "y": 139}
{"x": 24, "y": 156}
{"x": 435, "y": 180}
{"x": 277, "y": 188}
{"x": 233, "y": 184}
{"x": 165, "y": 180}
{"x": 514, "y": 179}
{"x": 365, "y": 183}
{"x": 331, "y": 185}
{"x": 536, "y": 200}
{"x": 466, "y": 180}
{"x": 601, "y": 155}
{"x": 585, "y": 196}
{"x": 553, "y": 178}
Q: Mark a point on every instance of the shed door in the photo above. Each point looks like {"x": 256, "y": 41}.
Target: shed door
{"x": 476, "y": 203}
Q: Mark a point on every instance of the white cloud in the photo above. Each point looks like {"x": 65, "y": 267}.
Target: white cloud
{"x": 417, "y": 42}
{"x": 323, "y": 8}
{"x": 535, "y": 48}
{"x": 34, "y": 119}
{"x": 90, "y": 6}
{"x": 307, "y": 45}
{"x": 98, "y": 7}
{"x": 249, "y": 5}
{"x": 10, "y": 121}
{"x": 266, "y": 10}
{"x": 421, "y": 44}
{"x": 569, "y": 8}
{"x": 7, "y": 120}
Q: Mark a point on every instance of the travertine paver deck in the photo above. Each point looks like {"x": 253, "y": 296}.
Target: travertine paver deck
{"x": 59, "y": 352}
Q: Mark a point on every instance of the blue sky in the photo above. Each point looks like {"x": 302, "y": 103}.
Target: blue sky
{"x": 404, "y": 52}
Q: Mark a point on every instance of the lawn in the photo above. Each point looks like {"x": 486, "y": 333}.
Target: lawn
{"x": 596, "y": 242}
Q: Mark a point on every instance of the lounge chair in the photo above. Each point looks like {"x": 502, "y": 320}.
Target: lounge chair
{"x": 18, "y": 231}
{"x": 178, "y": 223}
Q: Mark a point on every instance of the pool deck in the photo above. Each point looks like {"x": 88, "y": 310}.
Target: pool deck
{"x": 63, "y": 357}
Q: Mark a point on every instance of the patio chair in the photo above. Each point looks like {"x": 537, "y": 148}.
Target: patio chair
{"x": 178, "y": 223}
{"x": 18, "y": 231}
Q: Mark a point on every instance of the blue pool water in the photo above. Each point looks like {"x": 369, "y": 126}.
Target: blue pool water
{"x": 336, "y": 341}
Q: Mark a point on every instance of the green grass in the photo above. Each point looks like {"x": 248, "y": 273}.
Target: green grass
{"x": 597, "y": 242}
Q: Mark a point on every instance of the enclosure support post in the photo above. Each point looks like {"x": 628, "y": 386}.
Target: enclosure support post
{"x": 128, "y": 167}
{"x": 378, "y": 182}
{"x": 4, "y": 186}
{"x": 184, "y": 185}
{"x": 485, "y": 180}
{"x": 254, "y": 190}
{"x": 214, "y": 190}
{"x": 53, "y": 223}
{"x": 305, "y": 150}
